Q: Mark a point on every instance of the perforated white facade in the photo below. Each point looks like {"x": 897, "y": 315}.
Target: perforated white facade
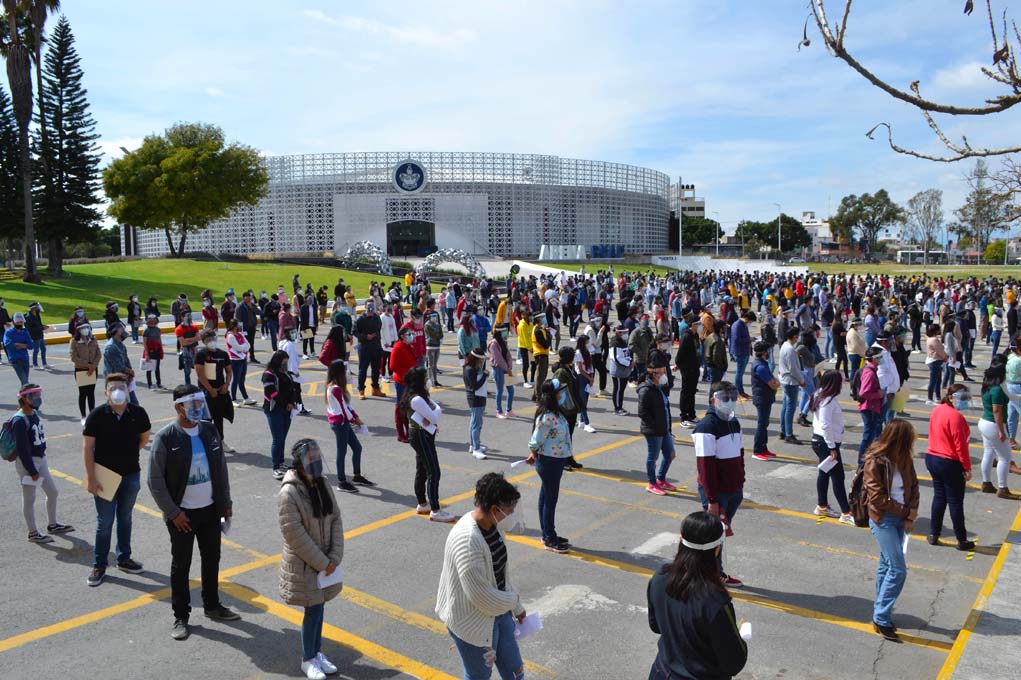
{"x": 484, "y": 203}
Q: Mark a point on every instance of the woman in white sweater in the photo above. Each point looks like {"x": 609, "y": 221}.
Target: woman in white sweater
{"x": 827, "y": 435}
{"x": 423, "y": 417}
{"x": 476, "y": 599}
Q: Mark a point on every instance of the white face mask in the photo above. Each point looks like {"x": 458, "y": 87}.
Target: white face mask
{"x": 211, "y": 344}
{"x": 118, "y": 396}
{"x": 663, "y": 379}
{"x": 508, "y": 524}
{"x": 726, "y": 408}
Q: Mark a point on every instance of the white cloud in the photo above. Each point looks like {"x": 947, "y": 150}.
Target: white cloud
{"x": 423, "y": 36}
{"x": 967, "y": 76}
{"x": 214, "y": 91}
{"x": 113, "y": 148}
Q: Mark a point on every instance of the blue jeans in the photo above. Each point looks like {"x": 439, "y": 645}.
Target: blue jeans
{"x": 583, "y": 395}
{"x": 872, "y": 424}
{"x": 475, "y": 427}
{"x": 655, "y": 446}
{"x": 239, "y": 370}
{"x": 346, "y": 436}
{"x": 742, "y": 364}
{"x": 893, "y": 570}
{"x": 20, "y": 370}
{"x": 728, "y": 502}
{"x": 500, "y": 378}
{"x": 279, "y": 420}
{"x": 996, "y": 341}
{"x": 550, "y": 471}
{"x": 855, "y": 361}
{"x": 807, "y": 390}
{"x": 935, "y": 373}
{"x": 870, "y": 338}
{"x": 949, "y": 374}
{"x": 762, "y": 427}
{"x": 1013, "y": 409}
{"x": 828, "y": 346}
{"x": 715, "y": 376}
{"x": 120, "y": 509}
{"x": 38, "y": 346}
{"x": 790, "y": 405}
{"x": 312, "y": 631}
{"x": 273, "y": 326}
{"x": 508, "y": 657}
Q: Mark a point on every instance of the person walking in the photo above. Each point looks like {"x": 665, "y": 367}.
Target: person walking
{"x": 654, "y": 413}
{"x": 949, "y": 464}
{"x": 993, "y": 428}
{"x": 764, "y": 387}
{"x": 85, "y": 356}
{"x": 475, "y": 378}
{"x": 870, "y": 401}
{"x": 278, "y": 391}
{"x": 343, "y": 419}
{"x": 17, "y": 342}
{"x": 31, "y": 462}
{"x": 189, "y": 482}
{"x": 313, "y": 534}
{"x": 691, "y": 610}
{"x": 423, "y": 418}
{"x": 113, "y": 435}
{"x": 827, "y": 436}
{"x": 503, "y": 372}
{"x": 550, "y": 449}
{"x": 791, "y": 379}
{"x": 238, "y": 348}
{"x": 891, "y": 496}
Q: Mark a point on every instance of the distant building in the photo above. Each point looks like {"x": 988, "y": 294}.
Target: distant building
{"x": 683, "y": 201}
{"x": 823, "y": 241}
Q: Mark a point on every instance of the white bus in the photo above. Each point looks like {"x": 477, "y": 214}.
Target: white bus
{"x": 919, "y": 257}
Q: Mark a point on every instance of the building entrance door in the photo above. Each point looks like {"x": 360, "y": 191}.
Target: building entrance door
{"x": 410, "y": 238}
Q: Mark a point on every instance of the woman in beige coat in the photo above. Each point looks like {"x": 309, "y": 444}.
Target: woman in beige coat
{"x": 85, "y": 357}
{"x": 313, "y": 544}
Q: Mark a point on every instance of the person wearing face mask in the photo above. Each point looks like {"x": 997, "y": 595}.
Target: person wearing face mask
{"x": 687, "y": 362}
{"x": 475, "y": 378}
{"x": 433, "y": 340}
{"x": 541, "y": 343}
{"x": 116, "y": 360}
{"x": 870, "y": 400}
{"x": 228, "y": 309}
{"x": 313, "y": 533}
{"x": 36, "y": 328}
{"x": 111, "y": 316}
{"x": 187, "y": 340}
{"x": 764, "y": 387}
{"x": 178, "y": 309}
{"x": 152, "y": 308}
{"x": 621, "y": 368}
{"x": 719, "y": 449}
{"x": 30, "y": 447}
{"x": 134, "y": 318}
{"x": 289, "y": 346}
{"x": 113, "y": 435}
{"x": 188, "y": 480}
{"x": 210, "y": 315}
{"x": 993, "y": 428}
{"x": 17, "y": 342}
{"x": 949, "y": 463}
{"x": 214, "y": 372}
{"x": 85, "y": 355}
{"x": 5, "y": 322}
{"x": 476, "y": 598}
{"x": 827, "y": 436}
{"x": 152, "y": 350}
{"x": 640, "y": 342}
{"x": 599, "y": 346}
{"x": 77, "y": 317}
{"x": 285, "y": 321}
{"x": 654, "y": 412}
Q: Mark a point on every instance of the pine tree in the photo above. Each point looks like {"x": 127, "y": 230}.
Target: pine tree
{"x": 67, "y": 195}
{"x": 11, "y": 216}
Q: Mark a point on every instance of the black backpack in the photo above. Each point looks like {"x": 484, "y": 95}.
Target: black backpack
{"x": 856, "y": 499}
{"x": 856, "y": 385}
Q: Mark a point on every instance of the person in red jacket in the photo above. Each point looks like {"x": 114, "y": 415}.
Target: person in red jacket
{"x": 948, "y": 461}
{"x": 416, "y": 325}
{"x": 402, "y": 360}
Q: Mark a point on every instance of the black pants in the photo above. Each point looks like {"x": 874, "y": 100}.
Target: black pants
{"x": 368, "y": 360}
{"x": 250, "y": 336}
{"x": 541, "y": 367}
{"x": 308, "y": 346}
{"x": 689, "y": 383}
{"x": 427, "y": 468}
{"x": 841, "y": 352}
{"x": 205, "y": 526}
{"x": 600, "y": 365}
{"x": 947, "y": 490}
{"x": 217, "y": 408}
{"x": 619, "y": 385}
{"x": 148, "y": 375}
{"x": 86, "y": 397}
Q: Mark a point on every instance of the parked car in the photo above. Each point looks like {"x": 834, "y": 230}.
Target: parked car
{"x": 796, "y": 260}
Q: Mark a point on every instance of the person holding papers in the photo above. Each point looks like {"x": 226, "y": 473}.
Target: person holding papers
{"x": 423, "y": 417}
{"x": 214, "y": 373}
{"x": 30, "y": 463}
{"x": 691, "y": 611}
{"x": 188, "y": 480}
{"x": 827, "y": 435}
{"x": 313, "y": 534}
{"x": 475, "y": 378}
{"x": 113, "y": 435}
{"x": 891, "y": 495}
{"x": 85, "y": 356}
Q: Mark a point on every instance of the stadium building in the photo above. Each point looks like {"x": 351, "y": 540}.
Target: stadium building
{"x": 412, "y": 203}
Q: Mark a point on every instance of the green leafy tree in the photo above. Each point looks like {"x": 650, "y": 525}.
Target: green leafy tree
{"x": 700, "y": 230}
{"x": 985, "y": 210}
{"x": 793, "y": 234}
{"x": 69, "y": 179}
{"x": 182, "y": 181}
{"x": 866, "y": 215}
{"x": 995, "y": 252}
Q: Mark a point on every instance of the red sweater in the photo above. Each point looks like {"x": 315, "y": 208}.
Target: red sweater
{"x": 948, "y": 435}
{"x": 402, "y": 360}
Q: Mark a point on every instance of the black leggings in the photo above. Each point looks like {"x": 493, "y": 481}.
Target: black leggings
{"x": 86, "y": 394}
{"x": 308, "y": 346}
{"x": 600, "y": 366}
{"x": 619, "y": 385}
{"x": 427, "y": 468}
{"x": 148, "y": 375}
{"x": 524, "y": 365}
{"x": 842, "y": 360}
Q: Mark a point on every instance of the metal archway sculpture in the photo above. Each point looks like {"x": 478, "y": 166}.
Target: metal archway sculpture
{"x": 461, "y": 257}
{"x": 368, "y": 249}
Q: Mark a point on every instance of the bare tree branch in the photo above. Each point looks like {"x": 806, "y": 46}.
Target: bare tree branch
{"x": 960, "y": 156}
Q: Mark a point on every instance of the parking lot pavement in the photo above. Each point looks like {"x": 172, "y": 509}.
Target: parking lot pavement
{"x": 809, "y": 582}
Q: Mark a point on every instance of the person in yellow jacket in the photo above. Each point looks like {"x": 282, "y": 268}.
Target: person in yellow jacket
{"x": 525, "y": 346}
{"x": 501, "y": 312}
{"x": 541, "y": 342}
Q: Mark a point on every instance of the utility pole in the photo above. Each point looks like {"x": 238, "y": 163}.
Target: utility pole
{"x": 717, "y": 232}
{"x": 779, "y": 214}
{"x": 680, "y": 217}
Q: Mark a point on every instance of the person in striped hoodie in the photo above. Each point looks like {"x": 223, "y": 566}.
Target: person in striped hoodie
{"x": 720, "y": 452}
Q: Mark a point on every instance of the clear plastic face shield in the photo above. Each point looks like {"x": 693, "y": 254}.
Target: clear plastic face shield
{"x": 195, "y": 407}
{"x": 725, "y": 402}
{"x": 117, "y": 392}
{"x": 312, "y": 461}
{"x": 33, "y": 395}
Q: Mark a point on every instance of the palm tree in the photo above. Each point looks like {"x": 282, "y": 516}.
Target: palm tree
{"x": 38, "y": 11}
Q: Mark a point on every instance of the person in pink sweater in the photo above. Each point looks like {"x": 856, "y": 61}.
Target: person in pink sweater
{"x": 870, "y": 398}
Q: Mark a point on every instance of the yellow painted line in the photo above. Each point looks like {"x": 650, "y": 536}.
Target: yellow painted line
{"x": 977, "y": 607}
{"x": 749, "y": 598}
{"x": 366, "y": 648}
{"x": 815, "y": 461}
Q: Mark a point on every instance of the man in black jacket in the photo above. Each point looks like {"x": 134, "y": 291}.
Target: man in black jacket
{"x": 370, "y": 349}
{"x": 654, "y": 412}
{"x": 248, "y": 319}
{"x": 188, "y": 480}
{"x": 688, "y": 363}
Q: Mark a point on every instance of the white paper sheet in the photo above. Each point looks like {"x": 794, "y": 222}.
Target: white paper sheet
{"x": 519, "y": 462}
{"x": 326, "y": 581}
{"x": 225, "y": 526}
{"x": 28, "y": 481}
{"x": 907, "y": 539}
{"x": 827, "y": 464}
{"x": 531, "y": 625}
{"x": 746, "y": 631}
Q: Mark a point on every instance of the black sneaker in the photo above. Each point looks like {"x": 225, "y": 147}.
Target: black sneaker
{"x": 96, "y": 576}
{"x": 180, "y": 630}
{"x": 221, "y": 613}
{"x": 965, "y": 546}
{"x": 345, "y": 485}
{"x": 59, "y": 528}
{"x": 278, "y": 473}
{"x": 362, "y": 481}
{"x": 555, "y": 546}
{"x": 130, "y": 566}
{"x": 932, "y": 539}
{"x": 888, "y": 632}
{"x": 563, "y": 542}
{"x": 36, "y": 537}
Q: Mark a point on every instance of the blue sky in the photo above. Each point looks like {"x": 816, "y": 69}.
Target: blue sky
{"x": 714, "y": 92}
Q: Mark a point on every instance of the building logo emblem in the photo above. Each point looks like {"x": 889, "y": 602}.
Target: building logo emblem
{"x": 409, "y": 176}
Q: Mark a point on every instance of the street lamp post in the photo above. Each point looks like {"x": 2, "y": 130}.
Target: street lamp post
{"x": 779, "y": 213}
{"x": 717, "y": 233}
{"x": 680, "y": 217}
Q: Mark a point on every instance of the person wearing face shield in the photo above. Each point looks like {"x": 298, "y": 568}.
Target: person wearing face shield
{"x": 77, "y": 318}
{"x": 85, "y": 355}
{"x": 313, "y": 534}
{"x": 654, "y": 412}
{"x": 188, "y": 480}
{"x": 719, "y": 449}
{"x": 30, "y": 461}
{"x": 111, "y": 316}
{"x": 17, "y": 342}
{"x": 134, "y": 318}
{"x": 214, "y": 373}
{"x": 116, "y": 360}
{"x": 113, "y": 435}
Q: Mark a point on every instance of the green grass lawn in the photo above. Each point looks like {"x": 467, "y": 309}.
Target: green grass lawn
{"x": 93, "y": 285}
{"x": 958, "y": 271}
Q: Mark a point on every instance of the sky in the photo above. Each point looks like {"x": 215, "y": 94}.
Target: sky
{"x": 714, "y": 92}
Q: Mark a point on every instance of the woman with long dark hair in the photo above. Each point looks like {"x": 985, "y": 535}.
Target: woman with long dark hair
{"x": 827, "y": 435}
{"x": 503, "y": 372}
{"x": 313, "y": 534}
{"x": 891, "y": 494}
{"x": 423, "y": 416}
{"x": 585, "y": 368}
{"x": 343, "y": 419}
{"x": 85, "y": 355}
{"x": 621, "y": 364}
{"x": 993, "y": 428}
{"x": 467, "y": 335}
{"x": 278, "y": 389}
{"x": 949, "y": 462}
{"x": 691, "y": 610}
{"x": 550, "y": 452}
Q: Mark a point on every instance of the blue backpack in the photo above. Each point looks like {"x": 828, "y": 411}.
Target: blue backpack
{"x": 8, "y": 444}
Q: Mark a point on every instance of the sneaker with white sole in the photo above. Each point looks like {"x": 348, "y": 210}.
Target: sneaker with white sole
{"x": 825, "y": 512}
{"x": 422, "y": 509}
{"x": 442, "y": 516}
{"x": 228, "y": 448}
{"x": 249, "y": 402}
{"x": 312, "y": 670}
{"x": 847, "y": 519}
{"x": 479, "y": 455}
{"x": 588, "y": 428}
{"x": 325, "y": 664}
{"x": 36, "y": 537}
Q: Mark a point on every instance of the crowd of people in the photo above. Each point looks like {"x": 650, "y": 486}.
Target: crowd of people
{"x": 554, "y": 340}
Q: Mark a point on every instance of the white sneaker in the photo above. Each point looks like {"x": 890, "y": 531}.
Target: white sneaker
{"x": 518, "y": 362}
{"x": 83, "y": 422}
{"x": 304, "y": 357}
{"x": 249, "y": 402}
{"x": 325, "y": 664}
{"x": 930, "y": 402}
{"x": 228, "y": 448}
{"x": 442, "y": 516}
{"x": 527, "y": 385}
{"x": 483, "y": 447}
{"x": 479, "y": 455}
{"x": 422, "y": 509}
{"x": 239, "y": 403}
{"x": 312, "y": 670}
{"x": 589, "y": 429}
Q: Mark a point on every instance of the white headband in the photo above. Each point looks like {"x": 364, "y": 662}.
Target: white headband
{"x": 704, "y": 546}
{"x": 194, "y": 396}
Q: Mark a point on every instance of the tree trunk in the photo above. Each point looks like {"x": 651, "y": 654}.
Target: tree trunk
{"x": 19, "y": 74}
{"x": 170, "y": 242}
{"x": 55, "y": 248}
{"x": 180, "y": 245}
